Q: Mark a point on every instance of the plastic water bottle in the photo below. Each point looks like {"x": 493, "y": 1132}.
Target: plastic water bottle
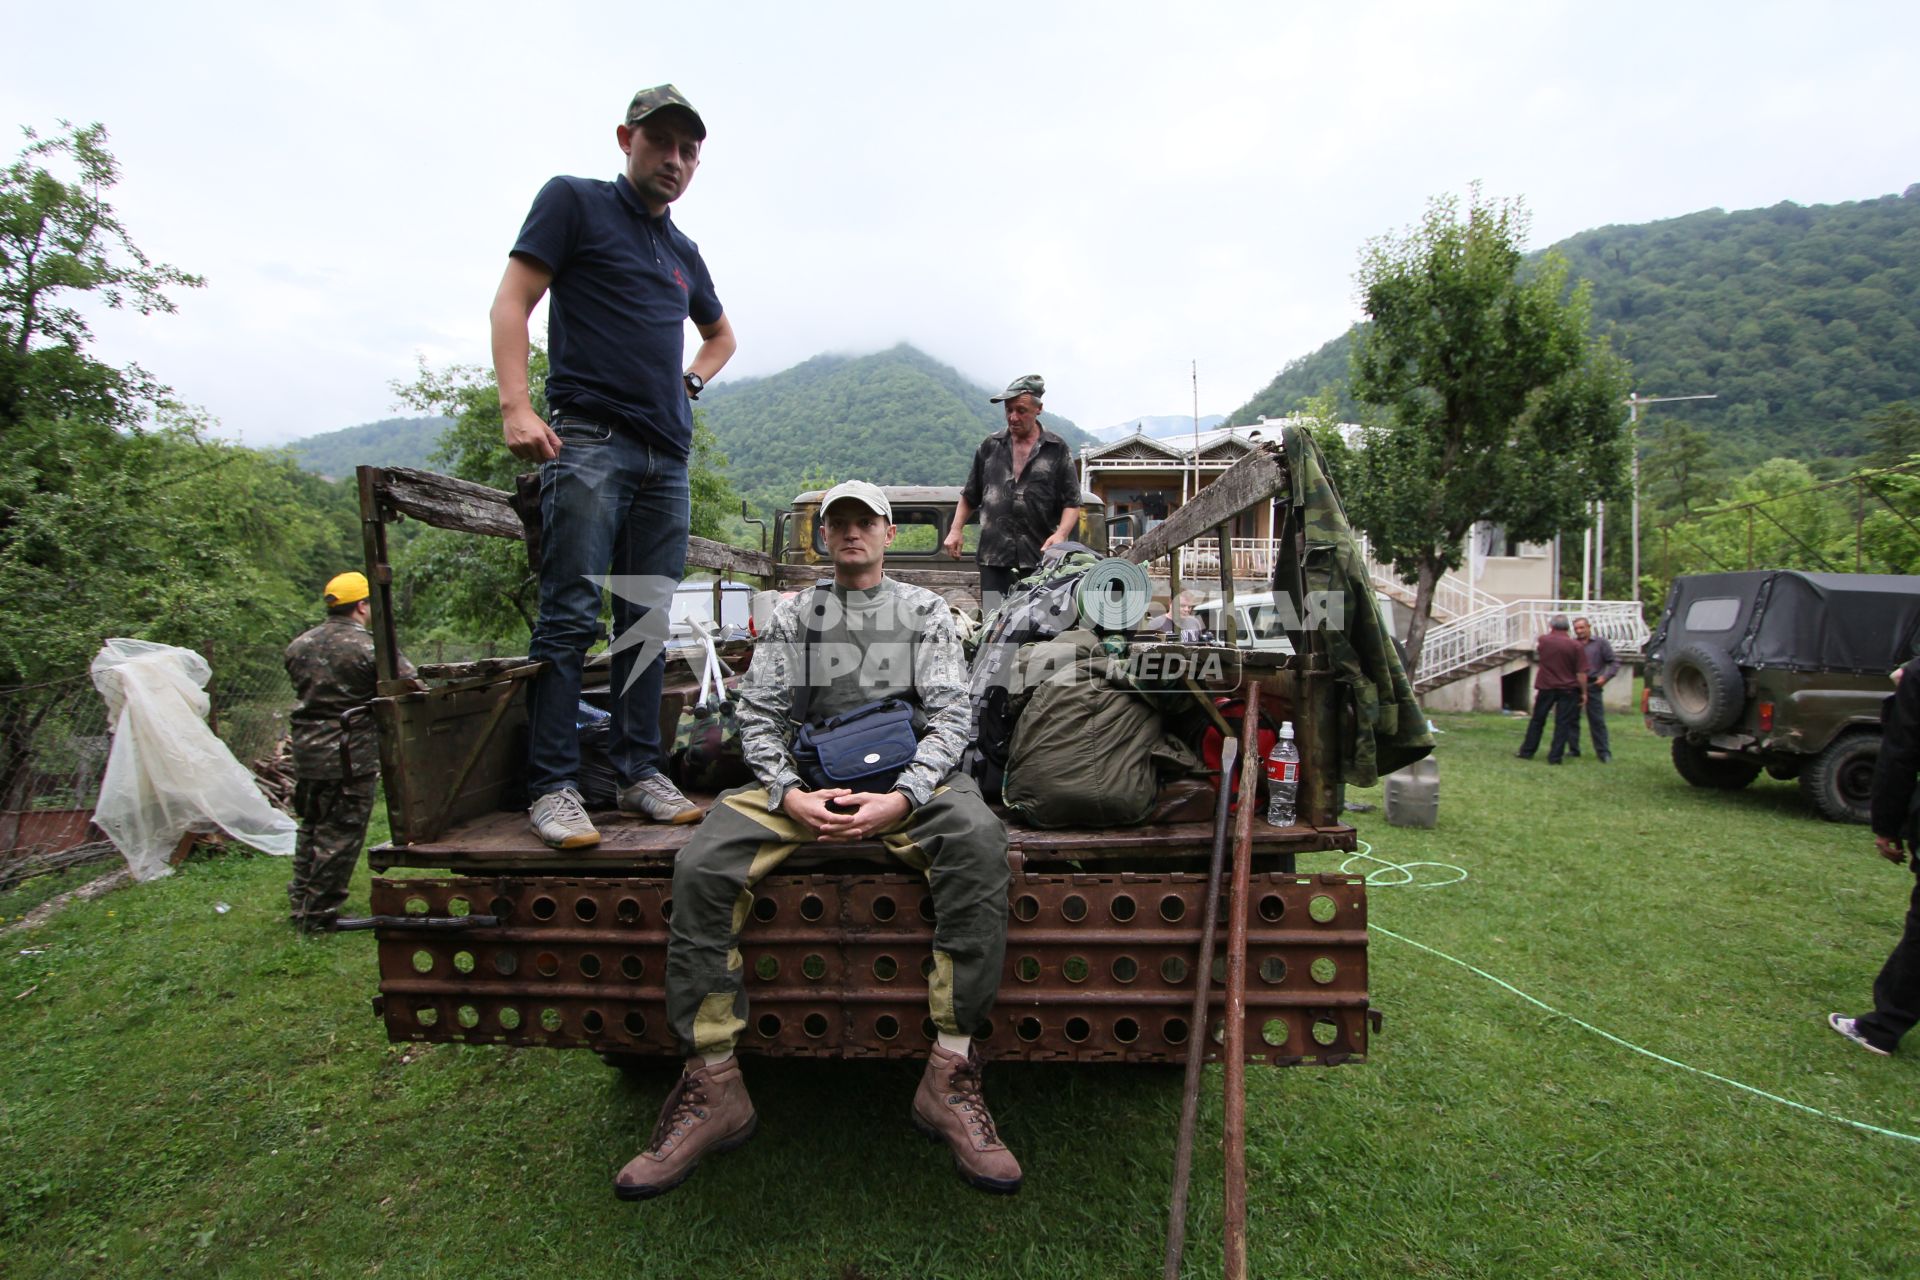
{"x": 1283, "y": 778}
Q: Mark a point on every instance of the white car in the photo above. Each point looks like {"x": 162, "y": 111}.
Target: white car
{"x": 1259, "y": 622}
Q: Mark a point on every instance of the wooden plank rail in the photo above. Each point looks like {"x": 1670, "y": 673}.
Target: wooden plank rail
{"x": 461, "y": 505}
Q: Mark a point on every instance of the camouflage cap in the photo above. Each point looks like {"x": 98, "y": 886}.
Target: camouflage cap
{"x": 1031, "y": 384}
{"x": 663, "y": 97}
{"x": 867, "y": 495}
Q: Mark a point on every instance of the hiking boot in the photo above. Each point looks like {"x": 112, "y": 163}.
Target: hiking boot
{"x": 948, "y": 1107}
{"x": 561, "y": 820}
{"x": 656, "y": 797}
{"x": 1848, "y": 1028}
{"x": 708, "y": 1110}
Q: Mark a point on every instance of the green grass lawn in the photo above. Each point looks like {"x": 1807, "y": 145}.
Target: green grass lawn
{"x": 190, "y": 1092}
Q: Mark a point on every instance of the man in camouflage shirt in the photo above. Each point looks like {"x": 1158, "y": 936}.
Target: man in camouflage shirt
{"x": 1025, "y": 488}
{"x": 336, "y": 767}
{"x": 866, "y": 637}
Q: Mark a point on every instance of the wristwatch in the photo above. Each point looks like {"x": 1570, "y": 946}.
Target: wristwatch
{"x": 695, "y": 384}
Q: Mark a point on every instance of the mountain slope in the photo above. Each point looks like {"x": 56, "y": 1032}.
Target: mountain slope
{"x": 391, "y": 442}
{"x": 1800, "y": 319}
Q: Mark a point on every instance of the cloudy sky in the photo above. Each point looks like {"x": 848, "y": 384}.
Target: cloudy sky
{"x": 1100, "y": 192}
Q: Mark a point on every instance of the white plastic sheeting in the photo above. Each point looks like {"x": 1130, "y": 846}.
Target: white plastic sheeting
{"x": 168, "y": 774}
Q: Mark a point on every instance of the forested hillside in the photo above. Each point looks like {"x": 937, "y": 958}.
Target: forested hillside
{"x": 1802, "y": 320}
{"x": 896, "y": 417}
{"x": 391, "y": 442}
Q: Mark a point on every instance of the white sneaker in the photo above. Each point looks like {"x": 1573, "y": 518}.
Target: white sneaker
{"x": 561, "y": 820}
{"x": 657, "y": 798}
{"x": 1845, "y": 1026}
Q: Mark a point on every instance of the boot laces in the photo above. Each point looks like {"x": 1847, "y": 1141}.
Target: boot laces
{"x": 688, "y": 1099}
{"x": 965, "y": 1089}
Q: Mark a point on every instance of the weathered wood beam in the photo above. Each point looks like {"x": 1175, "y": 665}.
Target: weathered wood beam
{"x": 1252, "y": 480}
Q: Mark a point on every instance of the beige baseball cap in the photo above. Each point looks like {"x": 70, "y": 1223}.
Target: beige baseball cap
{"x": 867, "y": 495}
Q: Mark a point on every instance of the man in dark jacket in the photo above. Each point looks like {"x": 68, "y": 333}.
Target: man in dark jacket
{"x": 1559, "y": 686}
{"x": 1601, "y": 664}
{"x": 336, "y": 757}
{"x": 1024, "y": 486}
{"x": 1896, "y": 992}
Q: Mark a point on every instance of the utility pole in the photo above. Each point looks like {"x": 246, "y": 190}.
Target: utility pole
{"x": 1634, "y": 402}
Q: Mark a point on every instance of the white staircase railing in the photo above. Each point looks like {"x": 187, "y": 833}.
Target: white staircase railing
{"x": 1453, "y": 596}
{"x": 1462, "y": 645}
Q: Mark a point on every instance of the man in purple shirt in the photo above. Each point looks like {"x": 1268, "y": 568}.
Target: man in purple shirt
{"x": 1559, "y": 684}
{"x": 1602, "y": 664}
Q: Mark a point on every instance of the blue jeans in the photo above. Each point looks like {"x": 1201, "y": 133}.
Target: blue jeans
{"x": 609, "y": 501}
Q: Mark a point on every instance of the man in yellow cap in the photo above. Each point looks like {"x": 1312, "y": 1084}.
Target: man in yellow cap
{"x": 336, "y": 761}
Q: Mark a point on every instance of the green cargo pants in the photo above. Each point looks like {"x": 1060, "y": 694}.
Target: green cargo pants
{"x": 333, "y": 815}
{"x": 953, "y": 839}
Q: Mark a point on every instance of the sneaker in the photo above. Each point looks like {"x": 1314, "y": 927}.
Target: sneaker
{"x": 949, "y": 1107}
{"x": 561, "y": 820}
{"x": 708, "y": 1110}
{"x": 656, "y": 797}
{"x": 1848, "y": 1028}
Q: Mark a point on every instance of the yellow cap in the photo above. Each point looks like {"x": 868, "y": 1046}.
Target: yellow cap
{"x": 346, "y": 588}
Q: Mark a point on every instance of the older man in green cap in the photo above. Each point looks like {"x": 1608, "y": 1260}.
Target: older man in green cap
{"x": 1025, "y": 488}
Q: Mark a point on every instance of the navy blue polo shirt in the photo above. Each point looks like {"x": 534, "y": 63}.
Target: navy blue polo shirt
{"x": 624, "y": 285}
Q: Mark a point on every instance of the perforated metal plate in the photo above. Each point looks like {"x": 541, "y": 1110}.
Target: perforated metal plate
{"x": 1098, "y": 968}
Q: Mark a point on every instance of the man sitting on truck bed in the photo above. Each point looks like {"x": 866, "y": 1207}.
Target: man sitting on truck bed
{"x": 871, "y": 638}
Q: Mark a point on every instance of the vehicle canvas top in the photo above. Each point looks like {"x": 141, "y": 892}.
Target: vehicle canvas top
{"x": 1786, "y": 619}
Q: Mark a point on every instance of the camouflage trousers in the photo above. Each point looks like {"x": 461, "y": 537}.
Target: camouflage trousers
{"x": 333, "y": 815}
{"x": 953, "y": 839}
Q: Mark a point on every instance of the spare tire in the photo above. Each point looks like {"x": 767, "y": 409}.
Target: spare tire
{"x": 1704, "y": 684}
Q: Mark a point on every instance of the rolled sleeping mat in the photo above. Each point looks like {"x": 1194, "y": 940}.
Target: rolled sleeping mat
{"x": 1113, "y": 595}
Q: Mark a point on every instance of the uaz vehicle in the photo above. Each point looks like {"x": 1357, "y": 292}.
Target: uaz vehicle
{"x": 1782, "y": 671}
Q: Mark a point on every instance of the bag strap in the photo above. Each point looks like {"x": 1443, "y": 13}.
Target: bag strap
{"x": 803, "y": 700}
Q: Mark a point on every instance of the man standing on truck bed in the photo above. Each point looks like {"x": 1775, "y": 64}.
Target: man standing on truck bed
{"x": 861, "y": 638}
{"x": 613, "y": 461}
{"x": 1025, "y": 488}
{"x": 336, "y": 752}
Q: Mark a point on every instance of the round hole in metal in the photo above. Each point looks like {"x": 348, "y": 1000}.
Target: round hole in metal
{"x": 1026, "y": 907}
{"x": 631, "y": 968}
{"x": 1126, "y": 1030}
{"x": 1028, "y": 1029}
{"x": 506, "y": 963}
{"x": 666, "y": 908}
{"x": 926, "y": 967}
{"x": 815, "y": 1025}
{"x": 543, "y": 908}
{"x": 1173, "y": 969}
{"x": 589, "y": 966}
{"x": 1027, "y": 969}
{"x": 426, "y": 1015}
{"x": 886, "y": 968}
{"x": 884, "y": 908}
{"x": 1123, "y": 907}
{"x": 1125, "y": 968}
{"x": 550, "y": 1019}
{"x": 1219, "y": 1031}
{"x": 769, "y": 1025}
{"x": 627, "y": 911}
{"x": 886, "y": 1026}
{"x": 1174, "y": 1031}
{"x": 811, "y": 908}
{"x": 1272, "y": 907}
{"x": 928, "y": 1031}
{"x": 593, "y": 1022}
{"x": 1219, "y": 969}
{"x": 423, "y": 962}
{"x": 765, "y": 909}
{"x": 1325, "y": 1031}
{"x": 585, "y": 909}
{"x": 1273, "y": 970}
{"x": 459, "y": 906}
{"x": 926, "y": 908}
{"x": 1274, "y": 1031}
{"x": 1078, "y": 1029}
{"x": 766, "y": 968}
{"x": 463, "y": 961}
{"x": 1073, "y": 907}
{"x": 1074, "y": 969}
{"x": 546, "y": 964}
{"x": 501, "y": 909}
{"x": 1322, "y": 908}
{"x": 509, "y": 1018}
{"x": 467, "y": 1016}
{"x": 416, "y": 906}
{"x": 1172, "y": 907}
{"x": 1323, "y": 969}
{"x": 815, "y": 967}
{"x": 635, "y": 1022}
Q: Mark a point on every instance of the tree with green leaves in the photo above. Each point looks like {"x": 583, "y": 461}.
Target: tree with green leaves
{"x": 1501, "y": 405}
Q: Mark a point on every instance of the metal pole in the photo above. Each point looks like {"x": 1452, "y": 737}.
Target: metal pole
{"x": 1234, "y": 1124}
{"x": 1600, "y": 550}
{"x": 1586, "y": 557}
{"x": 1633, "y": 442}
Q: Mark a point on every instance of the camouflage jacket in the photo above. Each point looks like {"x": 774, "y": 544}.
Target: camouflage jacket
{"x": 893, "y": 641}
{"x": 1017, "y": 515}
{"x": 333, "y": 672}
